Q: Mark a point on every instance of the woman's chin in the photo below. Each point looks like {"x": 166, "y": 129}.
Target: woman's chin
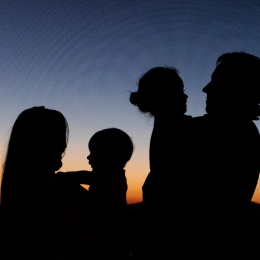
{"x": 56, "y": 166}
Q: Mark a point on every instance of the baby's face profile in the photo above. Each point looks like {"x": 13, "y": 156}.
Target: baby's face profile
{"x": 90, "y": 160}
{"x": 96, "y": 159}
{"x": 100, "y": 159}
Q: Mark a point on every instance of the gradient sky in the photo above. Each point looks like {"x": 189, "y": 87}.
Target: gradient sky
{"x": 84, "y": 57}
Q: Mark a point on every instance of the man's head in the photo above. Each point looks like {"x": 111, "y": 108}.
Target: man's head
{"x": 234, "y": 88}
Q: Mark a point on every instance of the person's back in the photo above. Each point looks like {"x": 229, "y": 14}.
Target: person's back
{"x": 107, "y": 192}
{"x": 110, "y": 150}
{"x": 107, "y": 189}
{"x": 164, "y": 190}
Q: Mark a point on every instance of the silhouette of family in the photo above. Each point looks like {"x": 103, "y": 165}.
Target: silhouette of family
{"x": 196, "y": 197}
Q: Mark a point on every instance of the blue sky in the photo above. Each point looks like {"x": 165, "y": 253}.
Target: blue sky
{"x": 84, "y": 57}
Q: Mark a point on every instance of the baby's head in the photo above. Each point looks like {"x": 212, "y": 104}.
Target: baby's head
{"x": 110, "y": 148}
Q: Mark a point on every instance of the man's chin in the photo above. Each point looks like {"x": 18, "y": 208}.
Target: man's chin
{"x": 207, "y": 109}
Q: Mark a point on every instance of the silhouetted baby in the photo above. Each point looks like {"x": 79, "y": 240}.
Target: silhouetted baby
{"x": 110, "y": 150}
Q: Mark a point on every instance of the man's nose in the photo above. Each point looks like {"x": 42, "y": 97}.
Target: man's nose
{"x": 205, "y": 89}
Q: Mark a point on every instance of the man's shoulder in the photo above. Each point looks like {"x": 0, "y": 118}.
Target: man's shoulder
{"x": 200, "y": 120}
{"x": 187, "y": 117}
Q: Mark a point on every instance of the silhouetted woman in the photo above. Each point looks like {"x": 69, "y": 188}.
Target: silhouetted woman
{"x": 42, "y": 216}
{"x": 161, "y": 95}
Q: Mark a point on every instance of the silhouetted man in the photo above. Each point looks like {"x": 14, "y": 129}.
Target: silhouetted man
{"x": 225, "y": 157}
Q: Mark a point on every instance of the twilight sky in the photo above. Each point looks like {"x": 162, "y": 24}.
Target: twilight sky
{"x": 84, "y": 57}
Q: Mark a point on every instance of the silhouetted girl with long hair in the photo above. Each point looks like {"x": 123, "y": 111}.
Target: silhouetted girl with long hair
{"x": 43, "y": 217}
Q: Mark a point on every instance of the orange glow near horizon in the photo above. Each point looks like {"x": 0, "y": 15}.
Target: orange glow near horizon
{"x": 134, "y": 193}
{"x": 256, "y": 196}
{"x": 135, "y": 178}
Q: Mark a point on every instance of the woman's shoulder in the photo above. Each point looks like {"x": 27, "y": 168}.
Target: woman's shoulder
{"x": 37, "y": 174}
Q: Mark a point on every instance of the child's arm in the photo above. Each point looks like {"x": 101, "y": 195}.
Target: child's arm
{"x": 79, "y": 177}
